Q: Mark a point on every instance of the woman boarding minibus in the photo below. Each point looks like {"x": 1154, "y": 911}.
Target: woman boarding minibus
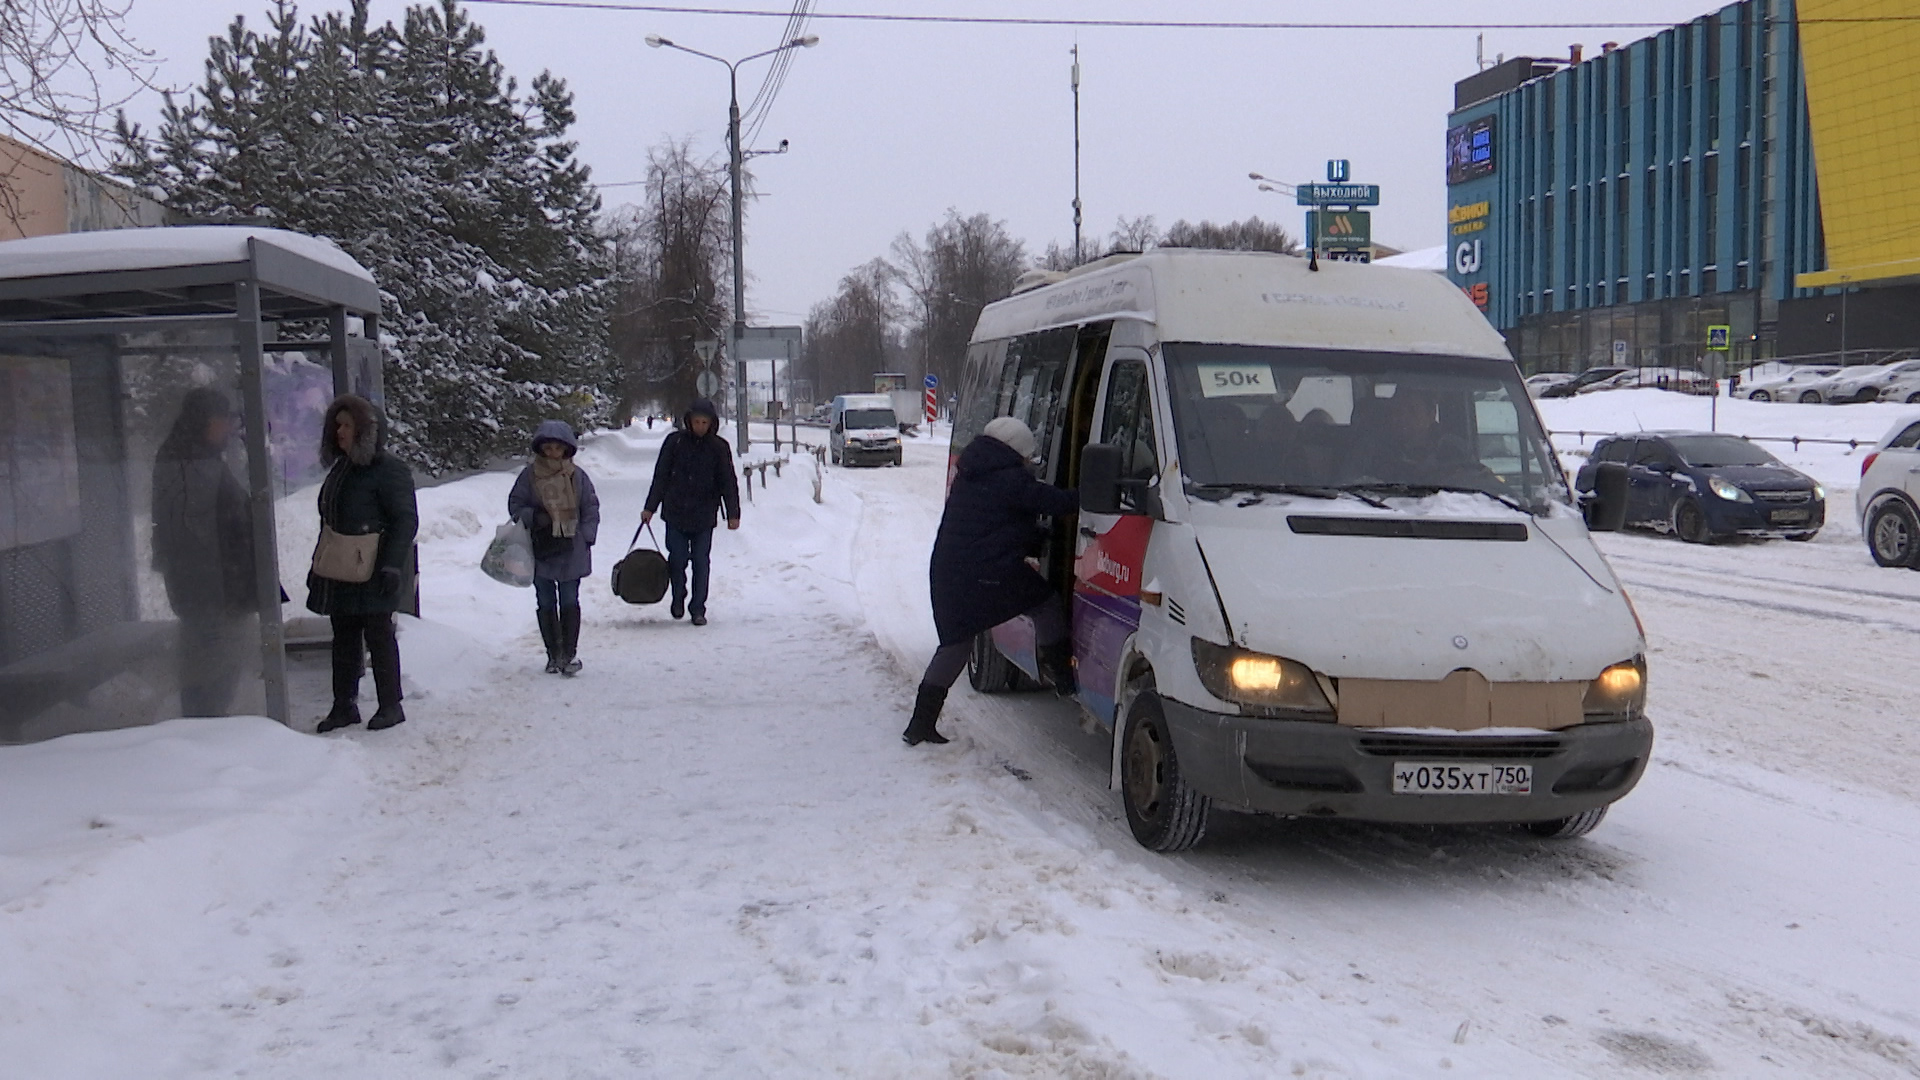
{"x": 1326, "y": 562}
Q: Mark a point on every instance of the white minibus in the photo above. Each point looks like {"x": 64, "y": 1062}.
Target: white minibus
{"x": 1326, "y": 563}
{"x": 863, "y": 428}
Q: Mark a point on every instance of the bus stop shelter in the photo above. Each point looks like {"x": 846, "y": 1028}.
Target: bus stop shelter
{"x": 161, "y": 397}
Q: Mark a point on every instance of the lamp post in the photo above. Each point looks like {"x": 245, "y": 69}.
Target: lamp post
{"x": 734, "y": 158}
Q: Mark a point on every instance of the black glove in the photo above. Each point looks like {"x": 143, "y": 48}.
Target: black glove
{"x": 525, "y": 519}
{"x": 541, "y": 520}
{"x": 389, "y": 579}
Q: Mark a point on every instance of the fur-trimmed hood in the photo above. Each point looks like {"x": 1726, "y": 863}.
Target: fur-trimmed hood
{"x": 369, "y": 427}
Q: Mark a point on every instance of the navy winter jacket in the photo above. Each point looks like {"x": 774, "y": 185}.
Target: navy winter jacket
{"x": 694, "y": 478}
{"x": 979, "y": 572}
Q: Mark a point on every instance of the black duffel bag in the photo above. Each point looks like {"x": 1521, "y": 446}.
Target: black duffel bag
{"x": 640, "y": 577}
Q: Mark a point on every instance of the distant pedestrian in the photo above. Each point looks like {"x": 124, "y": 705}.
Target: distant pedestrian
{"x": 368, "y": 494}
{"x": 693, "y": 479}
{"x": 203, "y": 549}
{"x": 979, "y": 572}
{"x": 555, "y": 500}
{"x": 649, "y": 421}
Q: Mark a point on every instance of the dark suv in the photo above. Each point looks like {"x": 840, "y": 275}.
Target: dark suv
{"x": 1705, "y": 486}
{"x": 1583, "y": 380}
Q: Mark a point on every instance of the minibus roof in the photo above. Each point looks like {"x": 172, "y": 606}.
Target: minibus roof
{"x": 1258, "y": 298}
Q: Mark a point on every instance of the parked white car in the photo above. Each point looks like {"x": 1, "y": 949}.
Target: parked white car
{"x": 1815, "y": 391}
{"x": 1905, "y": 388}
{"x": 1888, "y": 499}
{"x": 1871, "y": 385}
{"x": 1787, "y": 387}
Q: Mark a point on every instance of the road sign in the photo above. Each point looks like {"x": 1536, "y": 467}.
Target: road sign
{"x": 1336, "y": 194}
{"x": 1346, "y": 229}
{"x": 1619, "y": 353}
{"x": 1337, "y": 171}
{"x": 1720, "y": 337}
{"x": 708, "y": 384}
{"x": 704, "y": 348}
{"x": 933, "y": 382}
{"x": 769, "y": 343}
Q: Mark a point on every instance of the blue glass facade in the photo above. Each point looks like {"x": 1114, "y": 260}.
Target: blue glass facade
{"x": 1637, "y": 197}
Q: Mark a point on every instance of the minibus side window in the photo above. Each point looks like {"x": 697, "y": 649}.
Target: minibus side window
{"x": 1127, "y": 423}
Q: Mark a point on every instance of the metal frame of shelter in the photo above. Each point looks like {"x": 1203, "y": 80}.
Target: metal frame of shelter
{"x": 271, "y": 285}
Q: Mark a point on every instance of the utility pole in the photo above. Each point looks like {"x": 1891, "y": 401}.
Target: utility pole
{"x": 739, "y": 263}
{"x": 735, "y": 157}
{"x": 1078, "y": 251}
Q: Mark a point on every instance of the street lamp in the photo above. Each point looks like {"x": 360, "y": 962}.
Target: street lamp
{"x": 735, "y": 156}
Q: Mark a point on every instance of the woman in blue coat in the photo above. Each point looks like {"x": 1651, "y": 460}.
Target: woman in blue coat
{"x": 555, "y": 500}
{"x": 979, "y": 572}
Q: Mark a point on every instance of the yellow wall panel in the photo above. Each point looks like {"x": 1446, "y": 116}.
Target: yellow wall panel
{"x": 1863, "y": 105}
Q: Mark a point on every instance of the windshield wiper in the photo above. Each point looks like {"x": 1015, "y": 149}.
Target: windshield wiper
{"x": 1434, "y": 489}
{"x": 1310, "y": 491}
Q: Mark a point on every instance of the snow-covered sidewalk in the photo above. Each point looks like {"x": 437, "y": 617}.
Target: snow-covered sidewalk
{"x": 710, "y": 855}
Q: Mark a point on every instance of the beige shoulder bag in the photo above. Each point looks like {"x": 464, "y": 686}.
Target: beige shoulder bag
{"x": 345, "y": 557}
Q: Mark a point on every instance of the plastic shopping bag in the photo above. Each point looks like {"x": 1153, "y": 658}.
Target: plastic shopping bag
{"x": 509, "y": 559}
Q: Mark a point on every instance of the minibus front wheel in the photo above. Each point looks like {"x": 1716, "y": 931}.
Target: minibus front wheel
{"x": 1567, "y": 828}
{"x": 1165, "y": 814}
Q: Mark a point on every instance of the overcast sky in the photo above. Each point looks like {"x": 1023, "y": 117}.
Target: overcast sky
{"x": 891, "y": 124}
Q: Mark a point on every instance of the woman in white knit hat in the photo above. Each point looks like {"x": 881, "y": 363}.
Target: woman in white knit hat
{"x": 979, "y": 572}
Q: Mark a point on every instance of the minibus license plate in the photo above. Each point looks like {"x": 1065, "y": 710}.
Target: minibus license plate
{"x": 1461, "y": 778}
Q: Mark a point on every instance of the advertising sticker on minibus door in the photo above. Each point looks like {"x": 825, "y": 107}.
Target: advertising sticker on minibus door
{"x": 1236, "y": 380}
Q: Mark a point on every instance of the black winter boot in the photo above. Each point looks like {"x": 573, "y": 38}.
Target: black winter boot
{"x": 926, "y": 712}
{"x": 344, "y": 714}
{"x": 385, "y": 651}
{"x": 569, "y": 640}
{"x": 550, "y": 637}
{"x": 1056, "y": 666}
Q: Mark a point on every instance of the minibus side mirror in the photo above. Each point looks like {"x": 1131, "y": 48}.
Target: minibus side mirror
{"x": 1100, "y": 478}
{"x": 1606, "y": 508}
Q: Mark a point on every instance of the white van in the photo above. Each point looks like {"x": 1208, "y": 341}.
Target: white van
{"x": 1326, "y": 562}
{"x": 863, "y": 428}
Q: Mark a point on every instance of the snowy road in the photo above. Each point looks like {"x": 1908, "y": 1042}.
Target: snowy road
{"x": 1722, "y": 919}
{"x": 710, "y": 856}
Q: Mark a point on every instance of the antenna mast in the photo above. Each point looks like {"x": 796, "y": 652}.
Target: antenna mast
{"x": 1079, "y": 253}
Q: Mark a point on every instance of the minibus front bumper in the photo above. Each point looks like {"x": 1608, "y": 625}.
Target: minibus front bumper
{"x": 1313, "y": 769}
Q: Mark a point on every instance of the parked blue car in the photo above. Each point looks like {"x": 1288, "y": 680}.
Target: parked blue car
{"x": 1704, "y": 486}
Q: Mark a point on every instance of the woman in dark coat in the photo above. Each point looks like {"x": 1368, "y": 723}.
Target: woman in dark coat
{"x": 203, "y": 550}
{"x": 979, "y": 571}
{"x": 555, "y": 500}
{"x": 367, "y": 490}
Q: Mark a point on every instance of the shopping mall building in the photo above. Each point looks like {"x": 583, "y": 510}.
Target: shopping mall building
{"x": 1756, "y": 169}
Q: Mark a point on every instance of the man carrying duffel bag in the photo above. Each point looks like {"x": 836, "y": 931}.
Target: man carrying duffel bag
{"x": 692, "y": 480}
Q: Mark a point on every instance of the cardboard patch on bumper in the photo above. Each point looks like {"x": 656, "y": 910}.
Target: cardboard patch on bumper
{"x": 1463, "y": 701}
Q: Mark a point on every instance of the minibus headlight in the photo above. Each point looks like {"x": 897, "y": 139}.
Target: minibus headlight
{"x": 1263, "y": 685}
{"x": 1620, "y": 692}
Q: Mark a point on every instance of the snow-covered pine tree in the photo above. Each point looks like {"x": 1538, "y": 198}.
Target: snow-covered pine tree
{"x": 410, "y": 148}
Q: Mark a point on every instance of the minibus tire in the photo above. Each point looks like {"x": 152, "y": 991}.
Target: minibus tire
{"x": 1164, "y": 813}
{"x": 1567, "y": 828}
{"x": 988, "y": 671}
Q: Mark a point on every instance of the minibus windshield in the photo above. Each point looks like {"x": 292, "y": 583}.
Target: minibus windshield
{"x": 1320, "y": 421}
{"x": 866, "y": 419}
